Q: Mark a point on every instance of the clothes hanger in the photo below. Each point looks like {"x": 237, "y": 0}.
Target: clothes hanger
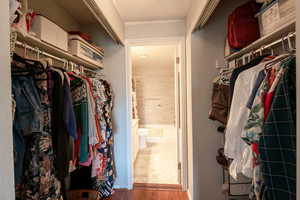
{"x": 244, "y": 59}
{"x": 72, "y": 71}
{"x": 248, "y": 57}
{"x": 24, "y": 59}
{"x": 25, "y": 50}
{"x": 26, "y": 63}
{"x": 19, "y": 58}
{"x": 31, "y": 61}
{"x": 286, "y": 50}
{"x": 292, "y": 50}
{"x": 272, "y": 51}
{"x": 43, "y": 62}
{"x": 49, "y": 63}
{"x": 276, "y": 60}
{"x": 77, "y": 69}
{"x": 66, "y": 70}
{"x": 287, "y": 54}
{"x": 65, "y": 64}
{"x": 261, "y": 51}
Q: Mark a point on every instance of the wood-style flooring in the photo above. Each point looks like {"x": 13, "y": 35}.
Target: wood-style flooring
{"x": 149, "y": 193}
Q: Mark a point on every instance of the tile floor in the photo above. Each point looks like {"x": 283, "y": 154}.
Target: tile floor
{"x": 157, "y": 163}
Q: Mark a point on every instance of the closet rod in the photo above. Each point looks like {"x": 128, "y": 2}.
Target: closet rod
{"x": 90, "y": 70}
{"x": 268, "y": 46}
{"x": 26, "y": 46}
{"x": 37, "y": 50}
{"x": 276, "y": 42}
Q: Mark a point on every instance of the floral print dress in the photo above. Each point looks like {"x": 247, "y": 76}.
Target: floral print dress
{"x": 105, "y": 166}
{"x": 252, "y": 134}
{"x": 255, "y": 124}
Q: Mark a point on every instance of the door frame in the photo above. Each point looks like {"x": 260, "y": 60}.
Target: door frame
{"x": 180, "y": 43}
{"x": 7, "y": 184}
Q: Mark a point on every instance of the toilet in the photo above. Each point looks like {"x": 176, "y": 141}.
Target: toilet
{"x": 143, "y": 133}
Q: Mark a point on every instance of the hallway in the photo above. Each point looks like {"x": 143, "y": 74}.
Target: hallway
{"x": 157, "y": 163}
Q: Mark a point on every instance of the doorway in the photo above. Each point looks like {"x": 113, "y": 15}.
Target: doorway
{"x": 154, "y": 131}
{"x": 157, "y": 120}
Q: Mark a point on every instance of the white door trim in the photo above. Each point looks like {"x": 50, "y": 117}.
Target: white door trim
{"x": 178, "y": 111}
{"x": 7, "y": 184}
{"x": 178, "y": 41}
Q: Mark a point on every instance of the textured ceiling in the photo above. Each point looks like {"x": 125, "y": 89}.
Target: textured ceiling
{"x": 151, "y": 10}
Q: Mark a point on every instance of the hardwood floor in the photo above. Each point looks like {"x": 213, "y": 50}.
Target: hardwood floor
{"x": 139, "y": 193}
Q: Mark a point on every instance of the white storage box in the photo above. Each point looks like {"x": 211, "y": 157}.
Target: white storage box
{"x": 81, "y": 48}
{"x": 276, "y": 15}
{"x": 49, "y": 32}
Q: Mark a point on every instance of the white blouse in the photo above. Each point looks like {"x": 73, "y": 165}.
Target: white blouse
{"x": 235, "y": 148}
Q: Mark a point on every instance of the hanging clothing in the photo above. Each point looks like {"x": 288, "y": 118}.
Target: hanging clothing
{"x": 277, "y": 145}
{"x": 62, "y": 141}
{"x": 28, "y": 119}
{"x": 69, "y": 115}
{"x": 100, "y": 176}
{"x": 236, "y": 72}
{"x": 62, "y": 132}
{"x": 260, "y": 78}
{"x": 95, "y": 132}
{"x": 253, "y": 132}
{"x": 80, "y": 101}
{"x": 220, "y": 102}
{"x": 235, "y": 148}
{"x": 40, "y": 181}
{"x": 105, "y": 181}
{"x": 99, "y": 162}
{"x": 271, "y": 92}
{"x": 254, "y": 128}
{"x": 254, "y": 125}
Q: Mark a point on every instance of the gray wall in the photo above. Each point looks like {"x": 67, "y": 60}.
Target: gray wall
{"x": 6, "y": 147}
{"x": 114, "y": 64}
{"x": 154, "y": 29}
{"x": 207, "y": 46}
